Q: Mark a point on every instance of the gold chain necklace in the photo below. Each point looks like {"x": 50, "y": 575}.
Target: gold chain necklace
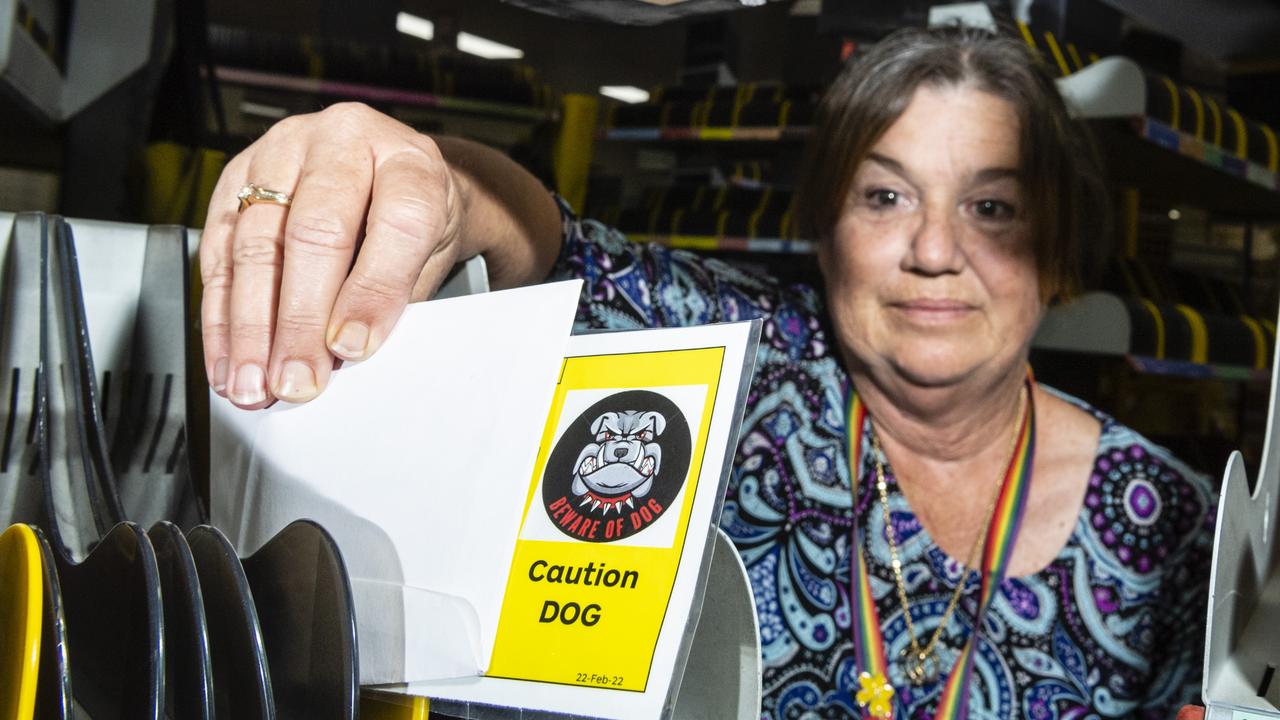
{"x": 922, "y": 665}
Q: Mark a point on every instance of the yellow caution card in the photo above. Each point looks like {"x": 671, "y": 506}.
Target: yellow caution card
{"x": 606, "y": 518}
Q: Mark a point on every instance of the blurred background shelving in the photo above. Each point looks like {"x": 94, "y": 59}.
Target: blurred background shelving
{"x": 1175, "y": 334}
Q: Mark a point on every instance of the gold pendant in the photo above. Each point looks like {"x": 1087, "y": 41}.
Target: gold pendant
{"x": 920, "y": 666}
{"x": 876, "y": 696}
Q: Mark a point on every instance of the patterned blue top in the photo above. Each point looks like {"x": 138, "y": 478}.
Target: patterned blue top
{"x": 1112, "y": 627}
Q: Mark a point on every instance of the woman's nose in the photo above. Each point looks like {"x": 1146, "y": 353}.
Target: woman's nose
{"x": 935, "y": 247}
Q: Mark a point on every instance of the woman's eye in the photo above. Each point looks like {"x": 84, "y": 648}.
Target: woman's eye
{"x": 882, "y": 197}
{"x": 994, "y": 210}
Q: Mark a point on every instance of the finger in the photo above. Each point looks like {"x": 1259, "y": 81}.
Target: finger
{"x": 1191, "y": 712}
{"x": 256, "y": 268}
{"x": 215, "y": 271}
{"x": 319, "y": 243}
{"x": 408, "y": 227}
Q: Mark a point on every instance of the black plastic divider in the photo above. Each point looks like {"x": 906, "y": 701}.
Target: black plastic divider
{"x": 111, "y": 599}
{"x": 187, "y": 671}
{"x": 65, "y": 311}
{"x": 241, "y": 680}
{"x": 184, "y": 665}
{"x": 148, "y": 448}
{"x": 115, "y": 626}
{"x": 53, "y": 684}
{"x": 307, "y": 614}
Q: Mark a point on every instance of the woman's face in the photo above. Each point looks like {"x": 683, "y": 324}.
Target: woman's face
{"x": 930, "y": 274}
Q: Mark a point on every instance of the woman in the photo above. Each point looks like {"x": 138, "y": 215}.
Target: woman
{"x": 928, "y": 531}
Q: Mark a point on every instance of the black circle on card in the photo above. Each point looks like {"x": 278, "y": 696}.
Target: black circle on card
{"x": 617, "y": 467}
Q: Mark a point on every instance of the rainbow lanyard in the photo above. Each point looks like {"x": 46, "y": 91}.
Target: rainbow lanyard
{"x": 1006, "y": 519}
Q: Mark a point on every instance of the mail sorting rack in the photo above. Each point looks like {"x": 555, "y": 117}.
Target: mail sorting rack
{"x": 117, "y": 601}
{"x": 721, "y": 677}
{"x": 1241, "y": 652}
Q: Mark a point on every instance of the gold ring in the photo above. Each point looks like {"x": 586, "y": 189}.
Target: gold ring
{"x": 250, "y": 194}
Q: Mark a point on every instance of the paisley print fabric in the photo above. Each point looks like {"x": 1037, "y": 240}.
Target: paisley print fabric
{"x": 1112, "y": 627}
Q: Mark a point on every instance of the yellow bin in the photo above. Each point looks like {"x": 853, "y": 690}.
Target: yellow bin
{"x": 20, "y": 572}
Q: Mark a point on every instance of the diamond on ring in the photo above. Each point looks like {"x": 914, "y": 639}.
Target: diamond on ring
{"x": 251, "y": 193}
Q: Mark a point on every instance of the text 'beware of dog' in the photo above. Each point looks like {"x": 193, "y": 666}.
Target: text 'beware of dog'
{"x": 617, "y": 467}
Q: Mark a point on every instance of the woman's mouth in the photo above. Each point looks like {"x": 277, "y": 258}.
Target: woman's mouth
{"x": 933, "y": 310}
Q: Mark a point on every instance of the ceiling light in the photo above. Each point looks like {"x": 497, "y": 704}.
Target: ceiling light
{"x": 625, "y": 93}
{"x": 485, "y": 48}
{"x": 1175, "y": 214}
{"x": 419, "y": 27}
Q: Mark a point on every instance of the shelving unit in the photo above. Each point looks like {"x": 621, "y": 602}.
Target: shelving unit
{"x": 712, "y": 243}
{"x": 1180, "y": 147}
{"x": 1100, "y": 323}
{"x": 1147, "y": 128}
{"x": 378, "y": 94}
{"x": 706, "y": 134}
{"x": 265, "y": 75}
{"x": 1202, "y": 371}
{"x": 1160, "y": 137}
{"x": 1189, "y": 146}
{"x": 1155, "y": 134}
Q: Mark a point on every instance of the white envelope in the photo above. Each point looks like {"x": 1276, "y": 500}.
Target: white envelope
{"x": 468, "y": 383}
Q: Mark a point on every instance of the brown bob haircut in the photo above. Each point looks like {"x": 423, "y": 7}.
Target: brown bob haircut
{"x": 1065, "y": 196}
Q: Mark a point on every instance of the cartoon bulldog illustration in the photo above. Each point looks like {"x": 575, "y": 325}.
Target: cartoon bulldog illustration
{"x": 621, "y": 463}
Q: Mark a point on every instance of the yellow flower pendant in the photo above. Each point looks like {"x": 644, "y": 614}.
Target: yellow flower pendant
{"x": 876, "y": 696}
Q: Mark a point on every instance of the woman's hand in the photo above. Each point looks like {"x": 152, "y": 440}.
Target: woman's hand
{"x": 379, "y": 214}
{"x": 278, "y": 297}
{"x": 1191, "y": 712}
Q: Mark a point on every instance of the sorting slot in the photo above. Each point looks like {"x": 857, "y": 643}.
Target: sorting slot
{"x": 161, "y": 416}
{"x": 9, "y": 420}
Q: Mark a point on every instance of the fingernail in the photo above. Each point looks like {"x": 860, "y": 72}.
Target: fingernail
{"x": 351, "y": 341}
{"x": 250, "y": 386}
{"x": 220, "y": 375}
{"x": 297, "y": 382}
